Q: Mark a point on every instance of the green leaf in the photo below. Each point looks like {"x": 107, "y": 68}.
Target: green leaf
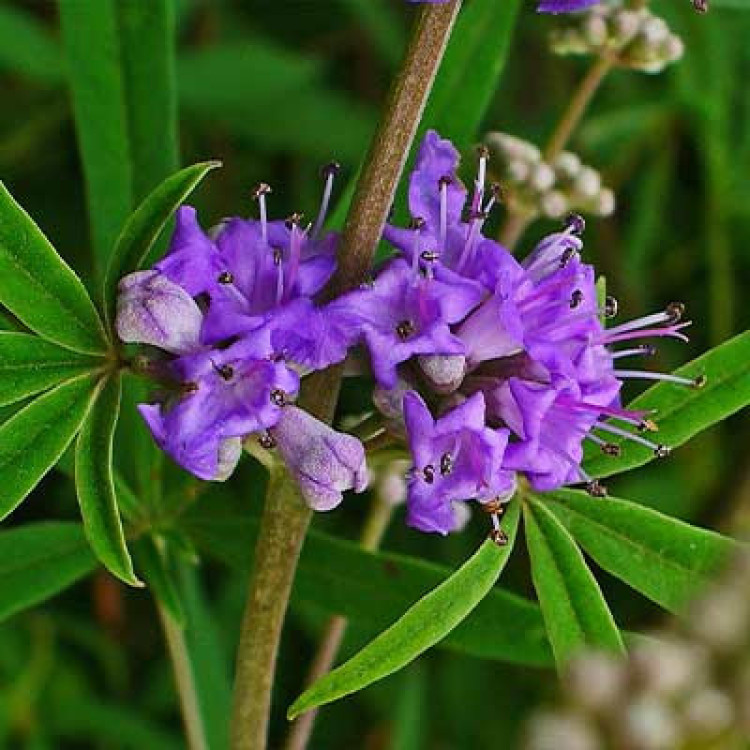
{"x": 38, "y": 561}
{"x": 26, "y": 47}
{"x": 146, "y": 223}
{"x": 33, "y": 439}
{"x": 40, "y": 288}
{"x": 471, "y": 69}
{"x": 29, "y": 364}
{"x": 373, "y": 589}
{"x": 572, "y": 604}
{"x": 665, "y": 559}
{"x": 422, "y": 626}
{"x": 153, "y": 560}
{"x": 682, "y": 412}
{"x": 95, "y": 485}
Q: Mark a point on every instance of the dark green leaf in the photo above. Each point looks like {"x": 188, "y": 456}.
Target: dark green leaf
{"x": 95, "y": 485}
{"x": 33, "y": 440}
{"x": 153, "y": 560}
{"x": 29, "y": 364}
{"x": 40, "y": 288}
{"x": 422, "y": 626}
{"x": 38, "y": 561}
{"x": 373, "y": 590}
{"x": 146, "y": 223}
{"x": 26, "y": 47}
{"x": 682, "y": 412}
{"x": 572, "y": 604}
{"x": 663, "y": 558}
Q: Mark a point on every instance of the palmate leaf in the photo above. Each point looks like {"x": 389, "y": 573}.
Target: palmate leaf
{"x": 40, "y": 288}
{"x": 422, "y": 626}
{"x": 95, "y": 485}
{"x": 33, "y": 439}
{"x": 572, "y": 604}
{"x": 665, "y": 559}
{"x": 29, "y": 364}
{"x": 38, "y": 561}
{"x": 682, "y": 412}
{"x": 373, "y": 589}
{"x": 146, "y": 223}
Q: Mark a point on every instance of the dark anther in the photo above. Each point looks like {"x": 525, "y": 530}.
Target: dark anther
{"x": 266, "y": 441}
{"x": 576, "y": 224}
{"x": 278, "y": 256}
{"x": 429, "y": 256}
{"x": 701, "y": 6}
{"x": 262, "y": 188}
{"x": 446, "y": 179}
{"x": 675, "y": 310}
{"x": 498, "y": 191}
{"x": 417, "y": 222}
{"x": 611, "y": 449}
{"x": 699, "y": 381}
{"x": 648, "y": 425}
{"x": 226, "y": 372}
{"x": 611, "y": 306}
{"x": 189, "y": 387}
{"x": 595, "y": 489}
{"x": 495, "y": 507}
{"x": 225, "y": 277}
{"x": 648, "y": 350}
{"x": 576, "y": 298}
{"x": 483, "y": 152}
{"x": 567, "y": 256}
{"x": 429, "y": 473}
{"x": 294, "y": 220}
{"x": 499, "y": 537}
{"x": 662, "y": 451}
{"x": 446, "y": 464}
{"x": 333, "y": 167}
{"x": 405, "y": 329}
{"x": 278, "y": 397}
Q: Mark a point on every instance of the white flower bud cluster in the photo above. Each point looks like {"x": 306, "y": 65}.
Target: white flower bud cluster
{"x": 537, "y": 188}
{"x": 636, "y": 37}
{"x": 686, "y": 688}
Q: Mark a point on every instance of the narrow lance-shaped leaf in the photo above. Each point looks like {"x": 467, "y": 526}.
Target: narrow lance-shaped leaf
{"x": 38, "y": 561}
{"x": 29, "y": 364}
{"x": 421, "y": 627}
{"x": 572, "y": 604}
{"x": 681, "y": 412}
{"x": 95, "y": 485}
{"x": 665, "y": 559}
{"x": 40, "y": 288}
{"x": 33, "y": 440}
{"x": 146, "y": 223}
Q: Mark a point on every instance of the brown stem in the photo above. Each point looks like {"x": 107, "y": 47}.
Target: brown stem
{"x": 372, "y": 536}
{"x": 286, "y": 518}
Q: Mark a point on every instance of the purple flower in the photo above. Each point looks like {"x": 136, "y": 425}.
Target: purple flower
{"x": 456, "y": 457}
{"x": 564, "y": 6}
{"x": 324, "y": 462}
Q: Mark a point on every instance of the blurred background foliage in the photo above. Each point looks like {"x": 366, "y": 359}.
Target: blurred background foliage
{"x": 275, "y": 90}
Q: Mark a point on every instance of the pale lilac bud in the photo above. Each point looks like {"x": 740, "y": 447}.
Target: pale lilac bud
{"x": 444, "y": 372}
{"x": 153, "y": 310}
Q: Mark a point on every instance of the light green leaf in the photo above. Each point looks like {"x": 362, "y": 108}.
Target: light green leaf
{"x": 682, "y": 412}
{"x": 95, "y": 485}
{"x": 29, "y": 364}
{"x": 146, "y": 223}
{"x": 422, "y": 626}
{"x": 372, "y": 589}
{"x": 38, "y": 561}
{"x": 32, "y": 440}
{"x": 572, "y": 604}
{"x": 663, "y": 558}
{"x": 40, "y": 288}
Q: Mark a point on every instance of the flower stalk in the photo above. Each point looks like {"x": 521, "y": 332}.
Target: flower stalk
{"x": 286, "y": 518}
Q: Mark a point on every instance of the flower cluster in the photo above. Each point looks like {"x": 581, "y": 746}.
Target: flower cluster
{"x": 491, "y": 366}
{"x": 232, "y": 323}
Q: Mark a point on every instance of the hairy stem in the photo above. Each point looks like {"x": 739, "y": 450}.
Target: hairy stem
{"x": 285, "y": 518}
{"x": 183, "y": 676}
{"x": 517, "y": 223}
{"x": 333, "y": 636}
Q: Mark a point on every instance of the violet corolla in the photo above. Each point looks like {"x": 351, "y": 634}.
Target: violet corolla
{"x": 494, "y": 367}
{"x": 231, "y": 323}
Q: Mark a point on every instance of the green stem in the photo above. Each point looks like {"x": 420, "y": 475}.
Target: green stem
{"x": 183, "y": 676}
{"x": 285, "y": 518}
{"x": 333, "y": 636}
